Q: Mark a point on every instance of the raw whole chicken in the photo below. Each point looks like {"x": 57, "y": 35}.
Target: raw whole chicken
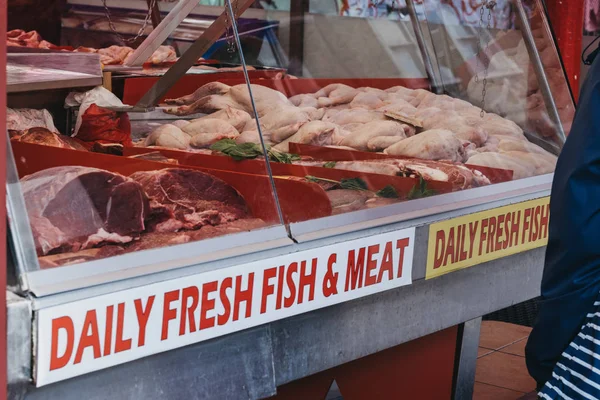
{"x": 237, "y": 118}
{"x": 345, "y": 117}
{"x": 160, "y": 55}
{"x": 207, "y": 105}
{"x": 205, "y": 140}
{"x": 369, "y": 100}
{"x": 315, "y": 133}
{"x": 435, "y": 144}
{"x": 304, "y": 100}
{"x": 204, "y": 91}
{"x": 210, "y": 125}
{"x": 334, "y": 94}
{"x": 168, "y": 136}
{"x": 252, "y": 137}
{"x": 359, "y": 138}
{"x": 520, "y": 168}
{"x": 114, "y": 55}
{"x": 180, "y": 123}
{"x": 381, "y": 143}
{"x": 265, "y": 99}
{"x": 283, "y": 122}
{"x": 163, "y": 54}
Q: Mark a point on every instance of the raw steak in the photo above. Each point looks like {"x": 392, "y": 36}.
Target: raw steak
{"x": 74, "y": 208}
{"x": 44, "y": 137}
{"x": 189, "y": 199}
{"x": 153, "y": 240}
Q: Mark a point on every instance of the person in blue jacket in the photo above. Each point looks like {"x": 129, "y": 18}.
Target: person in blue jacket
{"x": 563, "y": 351}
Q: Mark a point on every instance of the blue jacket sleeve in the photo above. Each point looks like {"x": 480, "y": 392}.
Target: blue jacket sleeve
{"x": 571, "y": 279}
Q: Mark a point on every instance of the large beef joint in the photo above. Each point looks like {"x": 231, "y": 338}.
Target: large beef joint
{"x": 189, "y": 199}
{"x": 74, "y": 208}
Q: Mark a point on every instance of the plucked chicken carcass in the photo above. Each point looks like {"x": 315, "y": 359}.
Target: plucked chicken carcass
{"x": 334, "y": 94}
{"x": 435, "y": 144}
{"x": 346, "y": 117}
{"x": 114, "y": 55}
{"x": 161, "y": 55}
{"x": 315, "y": 133}
{"x": 168, "y": 136}
{"x": 237, "y": 97}
{"x": 203, "y": 91}
{"x": 520, "y": 168}
{"x": 369, "y": 100}
{"x": 360, "y": 137}
{"x": 237, "y": 118}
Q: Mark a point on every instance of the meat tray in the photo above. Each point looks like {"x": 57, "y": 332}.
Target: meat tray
{"x": 299, "y": 201}
{"x": 374, "y": 182}
{"x": 495, "y": 175}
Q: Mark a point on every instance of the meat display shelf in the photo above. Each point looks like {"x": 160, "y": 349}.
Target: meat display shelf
{"x": 317, "y": 290}
{"x": 29, "y": 72}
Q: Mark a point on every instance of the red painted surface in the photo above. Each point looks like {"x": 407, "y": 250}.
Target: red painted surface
{"x": 374, "y": 181}
{"x": 3, "y": 254}
{"x": 566, "y": 18}
{"x": 300, "y": 201}
{"x": 136, "y": 88}
{"x": 422, "y": 369}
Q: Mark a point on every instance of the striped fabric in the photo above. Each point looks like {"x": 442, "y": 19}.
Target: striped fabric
{"x": 577, "y": 373}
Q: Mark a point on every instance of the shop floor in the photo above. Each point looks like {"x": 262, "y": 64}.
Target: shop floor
{"x": 501, "y": 371}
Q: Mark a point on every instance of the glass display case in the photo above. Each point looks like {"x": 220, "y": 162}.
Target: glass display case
{"x": 373, "y": 121}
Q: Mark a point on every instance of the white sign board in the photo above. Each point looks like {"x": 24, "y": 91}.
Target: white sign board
{"x": 95, "y": 333}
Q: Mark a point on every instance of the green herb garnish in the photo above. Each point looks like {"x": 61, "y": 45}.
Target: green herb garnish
{"x": 284, "y": 158}
{"x": 353, "y": 184}
{"x": 330, "y": 164}
{"x": 248, "y": 151}
{"x": 388, "y": 192}
{"x": 419, "y": 191}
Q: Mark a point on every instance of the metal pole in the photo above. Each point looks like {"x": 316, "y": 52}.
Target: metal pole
{"x": 255, "y": 113}
{"x": 538, "y": 67}
{"x": 298, "y": 9}
{"x": 189, "y": 58}
{"x": 466, "y": 359}
{"x": 435, "y": 86}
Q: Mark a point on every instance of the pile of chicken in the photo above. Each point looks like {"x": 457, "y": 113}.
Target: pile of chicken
{"x": 113, "y": 55}
{"x": 433, "y": 127}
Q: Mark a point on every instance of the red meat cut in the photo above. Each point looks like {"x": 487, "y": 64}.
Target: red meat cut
{"x": 73, "y": 208}
{"x": 189, "y": 199}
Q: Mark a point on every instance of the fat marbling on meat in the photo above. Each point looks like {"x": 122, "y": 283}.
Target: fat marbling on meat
{"x": 73, "y": 208}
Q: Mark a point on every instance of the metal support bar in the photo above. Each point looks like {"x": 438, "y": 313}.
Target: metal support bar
{"x": 466, "y": 359}
{"x": 189, "y": 58}
{"x": 160, "y": 33}
{"x": 538, "y": 67}
{"x": 298, "y": 9}
{"x": 435, "y": 86}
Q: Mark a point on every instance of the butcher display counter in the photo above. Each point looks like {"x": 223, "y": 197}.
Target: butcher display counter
{"x": 283, "y": 236}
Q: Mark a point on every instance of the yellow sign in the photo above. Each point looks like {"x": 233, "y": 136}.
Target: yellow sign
{"x": 477, "y": 238}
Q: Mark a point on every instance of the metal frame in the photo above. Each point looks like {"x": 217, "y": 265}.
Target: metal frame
{"x": 289, "y": 349}
{"x": 462, "y": 202}
{"x": 436, "y": 86}
{"x": 189, "y": 58}
{"x": 534, "y": 56}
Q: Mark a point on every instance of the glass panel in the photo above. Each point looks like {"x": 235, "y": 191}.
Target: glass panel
{"x": 131, "y": 182}
{"x": 493, "y": 45}
{"x": 362, "y": 124}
